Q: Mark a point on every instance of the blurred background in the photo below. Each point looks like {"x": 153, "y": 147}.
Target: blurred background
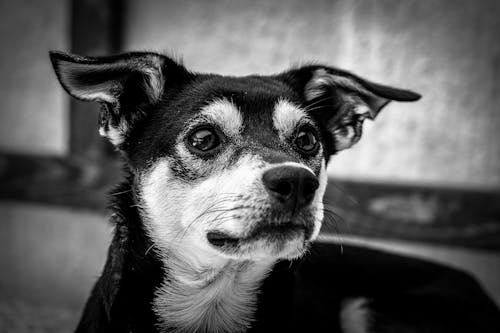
{"x": 424, "y": 180}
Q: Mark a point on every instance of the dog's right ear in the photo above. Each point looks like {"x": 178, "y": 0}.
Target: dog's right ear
{"x": 341, "y": 100}
{"x": 125, "y": 85}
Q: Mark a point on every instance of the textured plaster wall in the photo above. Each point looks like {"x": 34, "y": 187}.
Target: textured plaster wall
{"x": 33, "y": 108}
{"x": 448, "y": 50}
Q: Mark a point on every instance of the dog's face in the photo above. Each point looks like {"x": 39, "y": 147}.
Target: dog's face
{"x": 243, "y": 173}
{"x": 226, "y": 167}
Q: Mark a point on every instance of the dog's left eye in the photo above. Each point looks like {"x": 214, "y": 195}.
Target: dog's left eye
{"x": 203, "y": 140}
{"x": 306, "y": 141}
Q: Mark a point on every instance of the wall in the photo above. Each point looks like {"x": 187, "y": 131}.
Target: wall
{"x": 446, "y": 50}
{"x": 33, "y": 108}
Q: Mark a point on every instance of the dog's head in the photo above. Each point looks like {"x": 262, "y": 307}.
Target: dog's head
{"x": 230, "y": 167}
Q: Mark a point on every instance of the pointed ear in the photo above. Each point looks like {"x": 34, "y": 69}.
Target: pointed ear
{"x": 123, "y": 84}
{"x": 343, "y": 100}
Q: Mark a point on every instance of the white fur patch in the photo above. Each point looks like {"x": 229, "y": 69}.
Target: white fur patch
{"x": 178, "y": 215}
{"x": 162, "y": 205}
{"x": 362, "y": 109}
{"x": 318, "y": 200}
{"x": 322, "y": 79}
{"x": 355, "y": 316}
{"x": 89, "y": 95}
{"x": 286, "y": 117}
{"x": 293, "y": 164}
{"x": 220, "y": 300}
{"x": 345, "y": 134}
{"x": 156, "y": 80}
{"x": 115, "y": 134}
{"x": 226, "y": 115}
{"x": 355, "y": 105}
{"x": 344, "y": 137}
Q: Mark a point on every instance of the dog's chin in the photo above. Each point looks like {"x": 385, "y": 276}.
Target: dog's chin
{"x": 264, "y": 243}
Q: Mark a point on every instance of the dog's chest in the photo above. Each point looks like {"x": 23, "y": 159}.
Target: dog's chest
{"x": 225, "y": 304}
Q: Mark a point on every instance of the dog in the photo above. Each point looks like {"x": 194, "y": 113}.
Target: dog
{"x": 223, "y": 198}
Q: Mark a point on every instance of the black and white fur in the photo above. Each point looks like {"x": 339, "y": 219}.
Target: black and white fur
{"x": 214, "y": 241}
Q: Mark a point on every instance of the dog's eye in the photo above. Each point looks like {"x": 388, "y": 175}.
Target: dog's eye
{"x": 203, "y": 140}
{"x": 306, "y": 141}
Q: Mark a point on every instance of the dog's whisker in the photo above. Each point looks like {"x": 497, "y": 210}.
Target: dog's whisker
{"x": 149, "y": 249}
{"x": 121, "y": 192}
{"x": 348, "y": 196}
{"x": 334, "y": 217}
{"x": 321, "y": 100}
{"x": 182, "y": 233}
{"x": 221, "y": 217}
{"x": 212, "y": 208}
{"x": 137, "y": 205}
{"x": 224, "y": 198}
{"x": 315, "y": 108}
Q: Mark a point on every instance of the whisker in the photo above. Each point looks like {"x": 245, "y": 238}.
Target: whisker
{"x": 338, "y": 217}
{"x": 217, "y": 219}
{"x": 347, "y": 195}
{"x": 315, "y": 108}
{"x": 223, "y": 199}
{"x": 137, "y": 205}
{"x": 319, "y": 101}
{"x": 121, "y": 192}
{"x": 149, "y": 249}
{"x": 333, "y": 216}
{"x": 206, "y": 211}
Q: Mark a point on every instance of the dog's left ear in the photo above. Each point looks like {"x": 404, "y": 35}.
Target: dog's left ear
{"x": 126, "y": 85}
{"x": 341, "y": 100}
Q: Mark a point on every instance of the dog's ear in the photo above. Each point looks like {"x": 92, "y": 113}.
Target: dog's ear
{"x": 341, "y": 100}
{"x": 125, "y": 85}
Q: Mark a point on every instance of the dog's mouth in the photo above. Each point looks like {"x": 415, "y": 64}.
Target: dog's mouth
{"x": 281, "y": 232}
{"x": 221, "y": 239}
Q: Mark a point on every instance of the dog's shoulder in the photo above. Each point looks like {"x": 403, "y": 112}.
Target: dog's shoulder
{"x": 358, "y": 289}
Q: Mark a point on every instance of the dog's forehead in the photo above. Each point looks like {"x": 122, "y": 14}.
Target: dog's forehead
{"x": 250, "y": 87}
{"x": 254, "y": 102}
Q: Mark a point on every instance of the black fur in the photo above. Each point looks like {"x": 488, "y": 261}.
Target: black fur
{"x": 121, "y": 299}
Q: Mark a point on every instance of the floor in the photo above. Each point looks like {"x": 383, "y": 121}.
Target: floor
{"x": 50, "y": 257}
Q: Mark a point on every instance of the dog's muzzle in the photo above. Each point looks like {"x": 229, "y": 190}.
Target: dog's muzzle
{"x": 291, "y": 191}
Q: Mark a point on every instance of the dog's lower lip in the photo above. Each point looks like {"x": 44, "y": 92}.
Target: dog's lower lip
{"x": 220, "y": 239}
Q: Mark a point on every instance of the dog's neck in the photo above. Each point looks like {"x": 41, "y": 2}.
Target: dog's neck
{"x": 210, "y": 299}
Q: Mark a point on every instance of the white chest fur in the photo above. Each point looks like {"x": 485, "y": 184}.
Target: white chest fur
{"x": 210, "y": 301}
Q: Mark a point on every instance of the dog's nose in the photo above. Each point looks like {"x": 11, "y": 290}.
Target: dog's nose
{"x": 293, "y": 187}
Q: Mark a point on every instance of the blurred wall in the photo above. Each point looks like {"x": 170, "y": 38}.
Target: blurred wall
{"x": 33, "y": 108}
{"x": 50, "y": 255}
{"x": 447, "y": 50}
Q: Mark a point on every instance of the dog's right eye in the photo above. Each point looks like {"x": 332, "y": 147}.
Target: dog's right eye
{"x": 203, "y": 140}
